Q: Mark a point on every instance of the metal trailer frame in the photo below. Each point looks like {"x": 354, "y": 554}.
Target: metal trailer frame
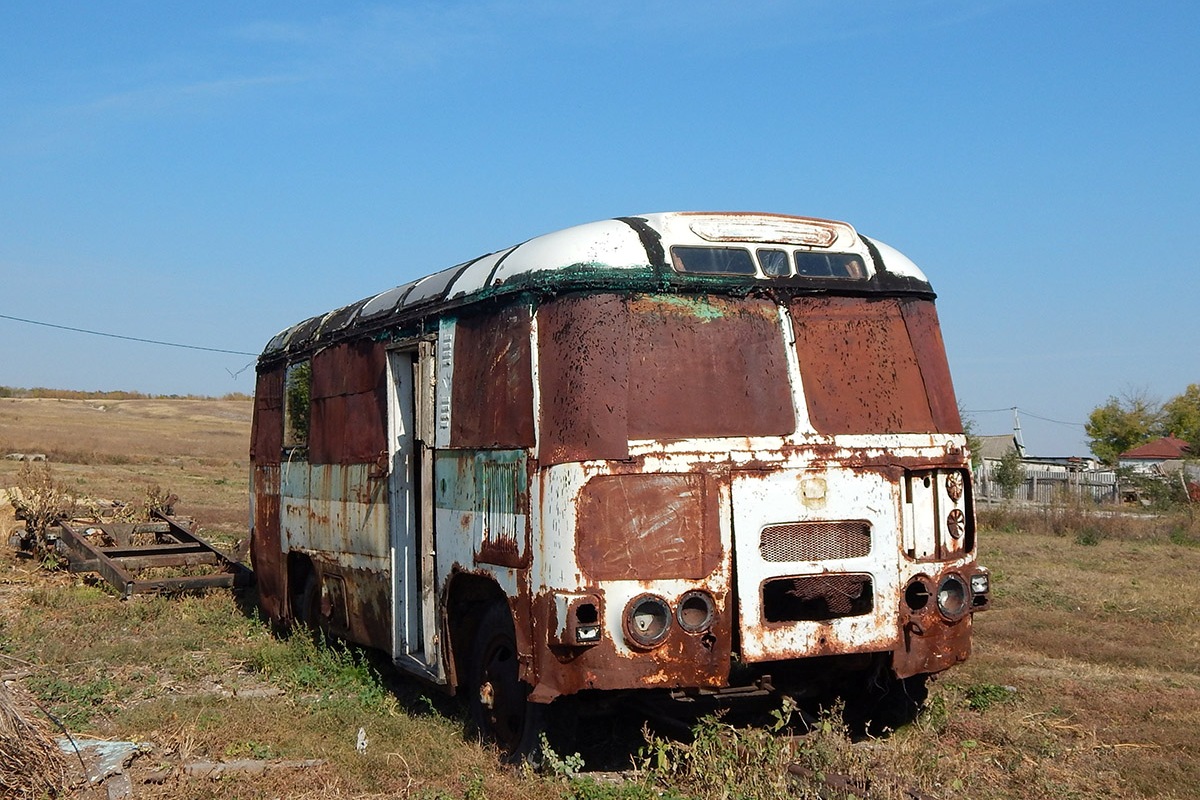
{"x": 175, "y": 546}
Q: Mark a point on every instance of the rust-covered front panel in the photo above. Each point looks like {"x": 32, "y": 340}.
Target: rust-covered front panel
{"x": 920, "y": 318}
{"x": 492, "y": 394}
{"x": 684, "y": 660}
{"x": 707, "y": 367}
{"x": 583, "y": 369}
{"x": 614, "y": 369}
{"x": 349, "y": 401}
{"x": 648, "y": 527}
{"x": 858, "y": 365}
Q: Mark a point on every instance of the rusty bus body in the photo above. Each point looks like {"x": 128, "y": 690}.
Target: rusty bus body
{"x": 693, "y": 452}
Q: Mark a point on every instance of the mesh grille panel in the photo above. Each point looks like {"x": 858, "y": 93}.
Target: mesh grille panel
{"x": 815, "y": 541}
{"x": 814, "y": 598}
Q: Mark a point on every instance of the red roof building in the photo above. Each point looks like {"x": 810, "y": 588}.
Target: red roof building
{"x": 1164, "y": 449}
{"x": 1151, "y": 457}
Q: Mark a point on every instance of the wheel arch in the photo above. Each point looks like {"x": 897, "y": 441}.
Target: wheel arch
{"x": 468, "y": 596}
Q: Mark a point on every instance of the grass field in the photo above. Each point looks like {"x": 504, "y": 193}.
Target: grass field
{"x": 1085, "y": 679}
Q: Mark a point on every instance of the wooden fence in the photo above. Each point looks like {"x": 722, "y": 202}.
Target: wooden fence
{"x": 1049, "y": 485}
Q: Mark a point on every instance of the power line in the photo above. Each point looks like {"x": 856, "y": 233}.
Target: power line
{"x": 1055, "y": 421}
{"x": 1026, "y": 413}
{"x": 127, "y": 338}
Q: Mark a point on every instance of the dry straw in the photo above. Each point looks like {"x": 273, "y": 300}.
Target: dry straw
{"x": 31, "y": 764}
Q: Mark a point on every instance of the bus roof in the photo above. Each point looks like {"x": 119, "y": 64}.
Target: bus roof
{"x": 631, "y": 253}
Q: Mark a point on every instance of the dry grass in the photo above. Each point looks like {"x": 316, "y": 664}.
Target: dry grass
{"x": 1085, "y": 679}
{"x": 117, "y": 449}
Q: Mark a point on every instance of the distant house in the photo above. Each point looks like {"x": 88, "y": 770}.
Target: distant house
{"x": 1148, "y": 458}
{"x": 994, "y": 448}
{"x": 1047, "y": 478}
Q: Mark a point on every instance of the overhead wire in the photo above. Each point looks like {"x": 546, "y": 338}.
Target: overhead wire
{"x": 127, "y": 338}
{"x": 1025, "y": 413}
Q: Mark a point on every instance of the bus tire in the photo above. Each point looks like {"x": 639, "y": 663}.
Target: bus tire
{"x": 496, "y": 696}
{"x": 888, "y": 704}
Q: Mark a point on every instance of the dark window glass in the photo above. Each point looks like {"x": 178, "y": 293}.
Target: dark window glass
{"x": 712, "y": 260}
{"x": 774, "y": 263}
{"x": 829, "y": 265}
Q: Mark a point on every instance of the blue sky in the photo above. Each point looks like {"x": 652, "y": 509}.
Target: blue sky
{"x": 209, "y": 173}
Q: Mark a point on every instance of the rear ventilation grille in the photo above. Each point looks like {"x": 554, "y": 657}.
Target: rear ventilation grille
{"x": 815, "y": 541}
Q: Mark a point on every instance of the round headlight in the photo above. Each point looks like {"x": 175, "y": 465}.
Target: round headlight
{"x": 695, "y": 611}
{"x": 917, "y": 594}
{"x": 647, "y": 620}
{"x": 952, "y": 597}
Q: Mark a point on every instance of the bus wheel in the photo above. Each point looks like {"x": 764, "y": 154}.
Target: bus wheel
{"x": 887, "y": 704}
{"x": 497, "y": 697}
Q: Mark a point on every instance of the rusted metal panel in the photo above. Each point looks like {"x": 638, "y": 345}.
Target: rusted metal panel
{"x": 929, "y": 644}
{"x": 354, "y": 603}
{"x": 266, "y": 554}
{"x": 858, "y": 365}
{"x": 349, "y": 401}
{"x": 583, "y": 367}
{"x": 266, "y": 432}
{"x": 705, "y": 366}
{"x": 920, "y": 317}
{"x": 336, "y": 509}
{"x": 492, "y": 394}
{"x": 482, "y": 498}
{"x": 658, "y": 367}
{"x": 648, "y": 527}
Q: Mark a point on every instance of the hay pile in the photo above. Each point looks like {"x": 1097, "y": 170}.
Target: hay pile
{"x": 31, "y": 764}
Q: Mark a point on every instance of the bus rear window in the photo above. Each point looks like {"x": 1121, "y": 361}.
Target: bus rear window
{"x": 712, "y": 260}
{"x": 829, "y": 265}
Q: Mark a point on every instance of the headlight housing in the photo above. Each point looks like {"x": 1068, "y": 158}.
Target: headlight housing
{"x": 696, "y": 611}
{"x": 647, "y": 621}
{"x": 952, "y": 598}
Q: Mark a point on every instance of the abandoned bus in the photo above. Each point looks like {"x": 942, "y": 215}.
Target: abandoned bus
{"x": 699, "y": 453}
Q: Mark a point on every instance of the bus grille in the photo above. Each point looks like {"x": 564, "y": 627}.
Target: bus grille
{"x": 817, "y": 598}
{"x": 815, "y": 541}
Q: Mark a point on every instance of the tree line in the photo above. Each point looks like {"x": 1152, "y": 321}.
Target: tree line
{"x": 1134, "y": 418}
{"x": 73, "y": 394}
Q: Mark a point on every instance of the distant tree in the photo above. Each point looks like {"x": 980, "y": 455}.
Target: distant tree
{"x": 1009, "y": 473}
{"x": 1181, "y": 417}
{"x": 1123, "y": 422}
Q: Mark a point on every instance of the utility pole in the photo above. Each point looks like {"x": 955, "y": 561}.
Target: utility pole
{"x": 1017, "y": 433}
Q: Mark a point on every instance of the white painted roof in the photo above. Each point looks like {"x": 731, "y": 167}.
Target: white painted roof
{"x": 599, "y": 253}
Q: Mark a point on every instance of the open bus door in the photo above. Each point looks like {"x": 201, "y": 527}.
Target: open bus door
{"x": 410, "y": 504}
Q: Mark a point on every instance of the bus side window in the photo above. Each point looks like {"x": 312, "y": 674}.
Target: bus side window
{"x": 774, "y": 263}
{"x": 712, "y": 260}
{"x": 297, "y": 401}
{"x": 845, "y": 266}
{"x": 813, "y": 265}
